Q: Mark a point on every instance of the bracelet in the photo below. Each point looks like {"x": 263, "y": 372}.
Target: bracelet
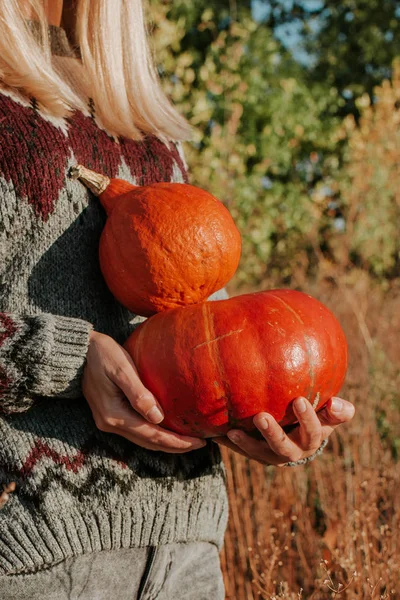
{"x": 304, "y": 461}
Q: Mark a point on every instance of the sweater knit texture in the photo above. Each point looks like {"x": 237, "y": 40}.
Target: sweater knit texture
{"x": 79, "y": 490}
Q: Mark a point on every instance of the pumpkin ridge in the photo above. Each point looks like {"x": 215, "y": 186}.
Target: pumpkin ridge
{"x": 310, "y": 358}
{"x": 215, "y": 356}
{"x": 308, "y": 350}
{"x": 289, "y": 308}
{"x": 220, "y": 337}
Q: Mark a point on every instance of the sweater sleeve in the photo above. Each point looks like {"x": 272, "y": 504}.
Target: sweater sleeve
{"x": 220, "y": 295}
{"x": 41, "y": 355}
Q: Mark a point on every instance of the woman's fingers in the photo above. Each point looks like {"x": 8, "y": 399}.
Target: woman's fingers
{"x": 277, "y": 440}
{"x": 140, "y": 398}
{"x": 279, "y": 447}
{"x": 336, "y": 412}
{"x": 121, "y": 404}
{"x": 302, "y": 441}
{"x": 115, "y": 415}
{"x": 260, "y": 450}
{"x": 108, "y": 365}
{"x": 277, "y": 450}
{"x": 310, "y": 430}
{"x": 154, "y": 437}
{"x": 225, "y": 441}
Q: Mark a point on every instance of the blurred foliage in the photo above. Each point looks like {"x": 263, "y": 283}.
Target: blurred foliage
{"x": 352, "y": 42}
{"x": 269, "y": 138}
{"x": 370, "y": 181}
{"x": 260, "y": 144}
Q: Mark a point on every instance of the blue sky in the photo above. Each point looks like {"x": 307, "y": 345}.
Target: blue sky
{"x": 289, "y": 35}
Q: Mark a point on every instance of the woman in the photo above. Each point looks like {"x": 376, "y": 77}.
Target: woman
{"x": 106, "y": 500}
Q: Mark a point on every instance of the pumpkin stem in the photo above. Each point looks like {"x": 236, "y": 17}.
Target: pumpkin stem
{"x": 96, "y": 182}
{"x": 102, "y": 186}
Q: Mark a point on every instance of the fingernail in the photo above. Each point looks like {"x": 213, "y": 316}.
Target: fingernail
{"x": 263, "y": 423}
{"x": 300, "y": 405}
{"x": 154, "y": 415}
{"x": 234, "y": 436}
{"x": 337, "y": 405}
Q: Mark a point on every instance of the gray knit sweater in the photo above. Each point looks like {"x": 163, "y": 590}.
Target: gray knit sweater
{"x": 79, "y": 490}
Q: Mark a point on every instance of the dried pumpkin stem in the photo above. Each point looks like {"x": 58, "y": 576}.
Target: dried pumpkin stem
{"x": 96, "y": 182}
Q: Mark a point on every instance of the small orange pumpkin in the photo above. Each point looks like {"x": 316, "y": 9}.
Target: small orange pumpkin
{"x": 164, "y": 245}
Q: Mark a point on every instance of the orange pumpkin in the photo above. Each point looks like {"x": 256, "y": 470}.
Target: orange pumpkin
{"x": 214, "y": 366}
{"x": 164, "y": 245}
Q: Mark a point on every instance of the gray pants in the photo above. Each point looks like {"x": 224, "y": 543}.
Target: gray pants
{"x": 170, "y": 572}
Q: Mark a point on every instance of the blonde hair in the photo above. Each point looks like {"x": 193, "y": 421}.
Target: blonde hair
{"x": 116, "y": 59}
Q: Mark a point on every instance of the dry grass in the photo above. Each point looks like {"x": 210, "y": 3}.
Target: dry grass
{"x": 331, "y": 529}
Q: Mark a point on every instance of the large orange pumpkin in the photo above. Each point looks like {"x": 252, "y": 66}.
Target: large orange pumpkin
{"x": 164, "y": 245}
{"x": 215, "y": 365}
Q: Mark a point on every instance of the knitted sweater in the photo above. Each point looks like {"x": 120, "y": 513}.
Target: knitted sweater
{"x": 79, "y": 490}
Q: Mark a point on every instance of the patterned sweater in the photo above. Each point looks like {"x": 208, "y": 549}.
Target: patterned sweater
{"x": 78, "y": 490}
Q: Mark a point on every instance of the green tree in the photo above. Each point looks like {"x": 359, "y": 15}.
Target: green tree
{"x": 260, "y": 142}
{"x": 352, "y": 42}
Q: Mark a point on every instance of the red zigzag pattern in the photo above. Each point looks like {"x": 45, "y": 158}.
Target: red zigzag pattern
{"x": 41, "y": 450}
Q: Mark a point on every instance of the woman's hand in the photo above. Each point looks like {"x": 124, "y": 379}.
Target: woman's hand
{"x": 121, "y": 404}
{"x": 279, "y": 447}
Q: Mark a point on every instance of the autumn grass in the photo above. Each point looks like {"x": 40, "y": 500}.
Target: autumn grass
{"x": 331, "y": 529}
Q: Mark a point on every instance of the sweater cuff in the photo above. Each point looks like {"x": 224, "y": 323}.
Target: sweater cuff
{"x": 304, "y": 461}
{"x": 61, "y": 365}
